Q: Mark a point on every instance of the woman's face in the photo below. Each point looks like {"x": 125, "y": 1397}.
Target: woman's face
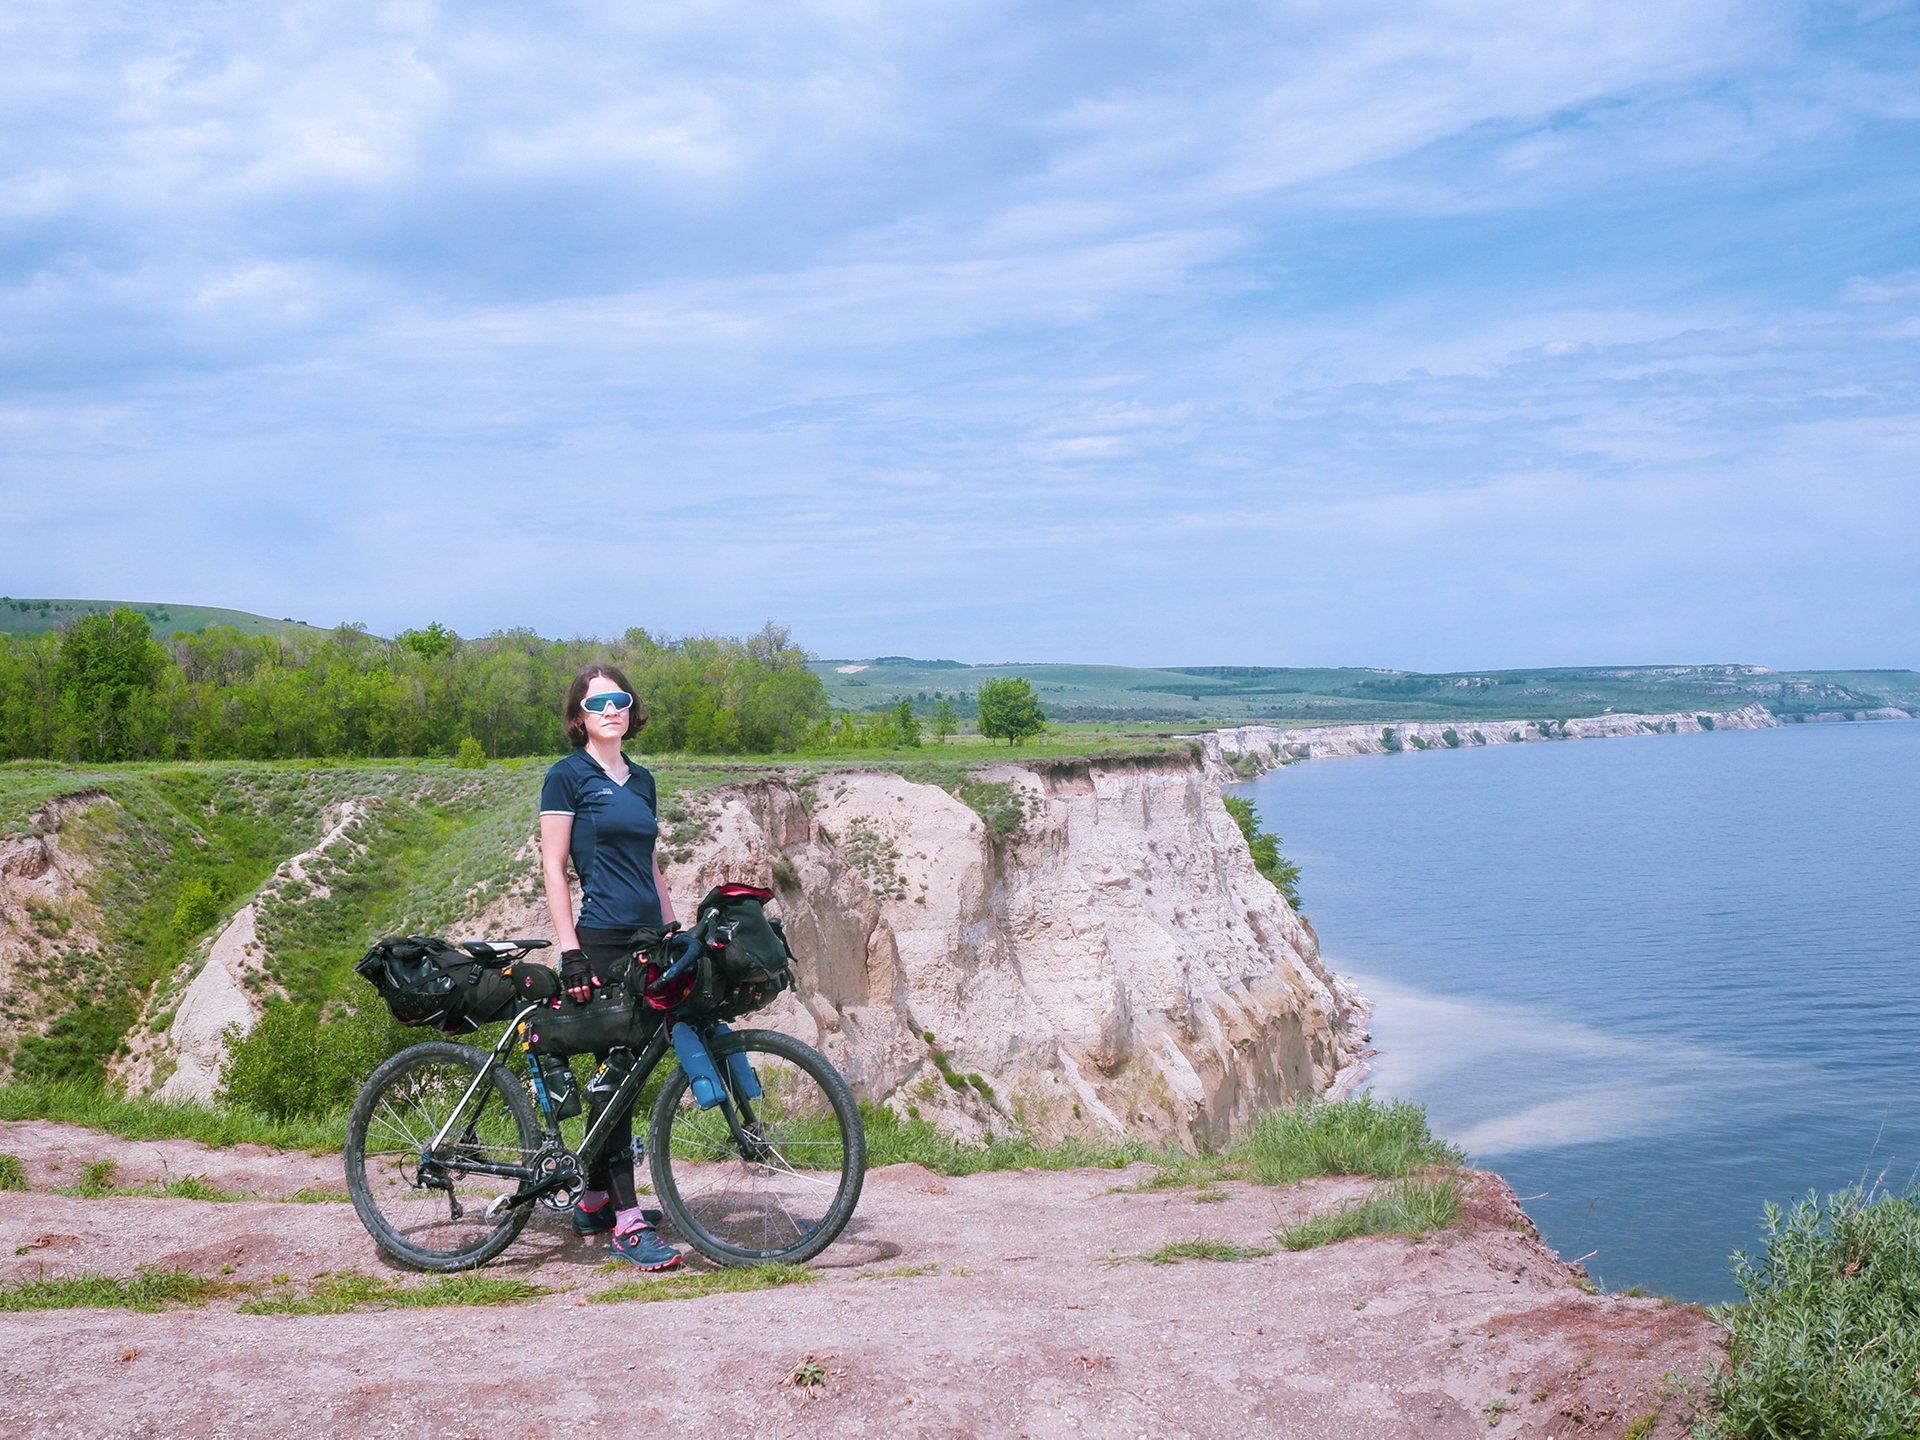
{"x": 605, "y": 724}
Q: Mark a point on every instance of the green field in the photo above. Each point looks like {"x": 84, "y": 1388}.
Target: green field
{"x": 1217, "y": 694}
{"x": 35, "y": 617}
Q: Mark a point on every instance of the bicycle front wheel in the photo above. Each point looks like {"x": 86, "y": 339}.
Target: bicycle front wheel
{"x": 424, "y": 1203}
{"x": 783, "y": 1184}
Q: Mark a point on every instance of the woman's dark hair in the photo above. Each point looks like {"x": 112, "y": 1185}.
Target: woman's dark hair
{"x": 576, "y": 718}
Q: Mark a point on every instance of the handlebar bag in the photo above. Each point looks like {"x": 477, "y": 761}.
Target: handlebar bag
{"x": 426, "y": 980}
{"x": 741, "y": 963}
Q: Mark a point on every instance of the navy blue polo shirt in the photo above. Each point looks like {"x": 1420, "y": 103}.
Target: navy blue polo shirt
{"x": 614, "y": 829}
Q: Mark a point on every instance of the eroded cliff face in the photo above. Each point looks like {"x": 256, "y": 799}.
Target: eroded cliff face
{"x": 1115, "y": 964}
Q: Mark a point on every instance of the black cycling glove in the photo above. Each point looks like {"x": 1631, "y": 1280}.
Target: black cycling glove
{"x": 575, "y": 971}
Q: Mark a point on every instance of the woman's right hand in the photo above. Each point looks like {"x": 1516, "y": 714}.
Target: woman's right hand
{"x": 576, "y": 975}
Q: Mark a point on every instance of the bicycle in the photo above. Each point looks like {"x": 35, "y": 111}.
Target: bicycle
{"x": 771, "y": 1172}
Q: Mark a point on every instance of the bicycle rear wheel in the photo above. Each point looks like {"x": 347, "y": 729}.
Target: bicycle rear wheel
{"x": 422, "y": 1205}
{"x": 785, "y": 1186}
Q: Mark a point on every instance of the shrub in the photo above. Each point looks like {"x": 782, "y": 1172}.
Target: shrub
{"x": 1828, "y": 1341}
{"x": 1265, "y": 849}
{"x": 471, "y": 756}
{"x": 196, "y": 905}
{"x": 1390, "y": 741}
{"x": 294, "y": 1064}
{"x": 1000, "y": 804}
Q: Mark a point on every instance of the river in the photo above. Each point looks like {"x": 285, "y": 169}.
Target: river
{"x": 1653, "y": 982}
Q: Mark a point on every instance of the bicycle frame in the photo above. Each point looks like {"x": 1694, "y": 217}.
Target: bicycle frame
{"x": 535, "y": 1184}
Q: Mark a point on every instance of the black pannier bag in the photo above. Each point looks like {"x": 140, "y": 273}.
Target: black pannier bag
{"x": 741, "y": 962}
{"x": 426, "y": 980}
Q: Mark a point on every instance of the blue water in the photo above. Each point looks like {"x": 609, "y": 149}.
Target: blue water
{"x": 1654, "y": 982}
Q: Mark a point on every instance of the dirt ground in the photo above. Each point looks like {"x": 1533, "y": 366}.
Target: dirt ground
{"x": 1029, "y": 1320}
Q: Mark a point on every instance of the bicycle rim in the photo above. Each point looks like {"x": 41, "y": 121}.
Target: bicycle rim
{"x": 789, "y": 1194}
{"x": 425, "y": 1208}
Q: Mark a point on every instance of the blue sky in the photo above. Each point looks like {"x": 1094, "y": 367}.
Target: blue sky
{"x": 1432, "y": 335}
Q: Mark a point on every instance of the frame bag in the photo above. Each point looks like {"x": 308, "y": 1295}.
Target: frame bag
{"x": 607, "y": 1021}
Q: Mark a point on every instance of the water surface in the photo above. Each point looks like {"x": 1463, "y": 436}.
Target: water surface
{"x": 1654, "y": 982}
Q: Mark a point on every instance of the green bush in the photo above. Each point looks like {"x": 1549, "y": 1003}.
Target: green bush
{"x": 1361, "y": 1136}
{"x": 1265, "y": 849}
{"x": 296, "y": 1065}
{"x": 1827, "y": 1345}
{"x": 471, "y": 756}
{"x": 196, "y": 906}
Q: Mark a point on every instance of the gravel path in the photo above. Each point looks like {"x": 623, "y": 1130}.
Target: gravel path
{"x": 1027, "y": 1319}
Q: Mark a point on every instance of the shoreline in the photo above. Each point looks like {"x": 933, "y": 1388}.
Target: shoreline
{"x": 1245, "y": 752}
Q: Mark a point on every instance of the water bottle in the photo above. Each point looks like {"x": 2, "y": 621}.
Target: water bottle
{"x": 702, "y": 1075}
{"x": 606, "y": 1080}
{"x": 562, "y": 1093}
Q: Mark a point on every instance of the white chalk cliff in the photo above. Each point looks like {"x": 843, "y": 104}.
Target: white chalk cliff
{"x": 1117, "y": 965}
{"x": 1257, "y": 748}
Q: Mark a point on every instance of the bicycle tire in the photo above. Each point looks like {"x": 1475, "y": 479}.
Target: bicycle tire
{"x": 788, "y": 1203}
{"x": 398, "y": 1111}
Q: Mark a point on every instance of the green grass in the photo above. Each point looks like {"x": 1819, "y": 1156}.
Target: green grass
{"x": 899, "y": 1272}
{"x": 1827, "y": 1343}
{"x": 147, "y": 1290}
{"x": 1202, "y": 1249}
{"x": 1362, "y": 1136}
{"x": 692, "y": 1285}
{"x": 346, "y": 1290}
{"x": 79, "y": 1103}
{"x": 97, "y": 1182}
{"x": 13, "y": 1173}
{"x": 1412, "y": 1206}
{"x": 893, "y": 1141}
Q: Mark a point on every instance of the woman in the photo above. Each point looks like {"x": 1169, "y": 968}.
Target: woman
{"x": 597, "y": 809}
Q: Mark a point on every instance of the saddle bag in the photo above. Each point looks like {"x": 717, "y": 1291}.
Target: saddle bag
{"x": 426, "y": 980}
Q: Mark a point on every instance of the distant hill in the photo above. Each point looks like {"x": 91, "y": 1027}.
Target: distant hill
{"x": 31, "y": 617}
{"x": 1200, "y": 694}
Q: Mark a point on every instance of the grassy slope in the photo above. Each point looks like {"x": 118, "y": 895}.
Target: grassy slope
{"x": 1199, "y": 694}
{"x": 31, "y": 617}
{"x": 437, "y": 843}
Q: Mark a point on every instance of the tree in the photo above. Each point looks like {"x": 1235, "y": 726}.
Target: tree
{"x": 436, "y": 642}
{"x": 907, "y": 723}
{"x": 108, "y": 667}
{"x": 1008, "y": 708}
{"x": 945, "y": 722}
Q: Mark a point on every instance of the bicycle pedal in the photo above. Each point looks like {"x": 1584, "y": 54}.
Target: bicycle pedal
{"x": 499, "y": 1206}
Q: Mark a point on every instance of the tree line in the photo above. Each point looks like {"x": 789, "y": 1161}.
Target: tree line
{"x": 105, "y": 689}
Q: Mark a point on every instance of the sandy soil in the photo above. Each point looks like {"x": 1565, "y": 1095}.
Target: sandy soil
{"x": 1029, "y": 1321}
